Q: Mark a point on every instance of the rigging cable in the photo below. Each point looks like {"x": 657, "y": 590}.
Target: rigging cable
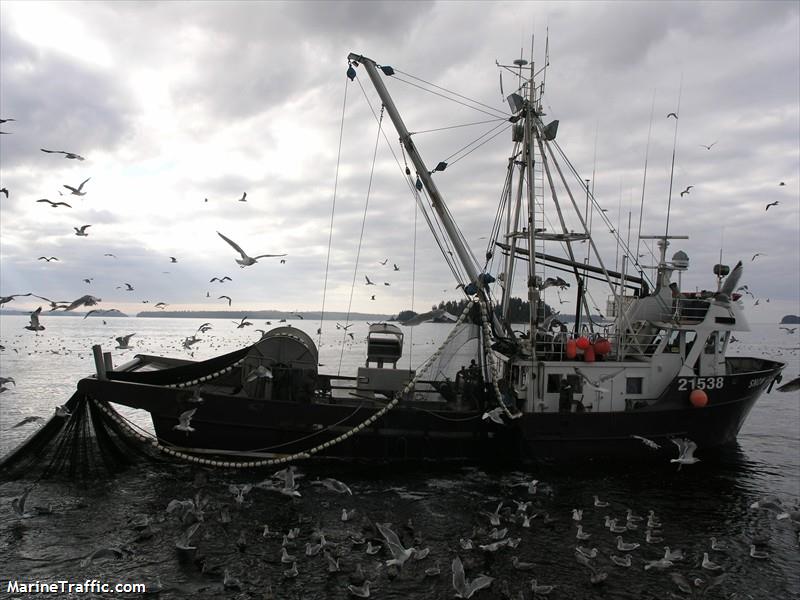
{"x": 361, "y": 238}
{"x": 644, "y": 179}
{"x": 333, "y": 210}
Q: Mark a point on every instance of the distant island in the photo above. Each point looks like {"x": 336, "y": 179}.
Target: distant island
{"x": 790, "y": 320}
{"x": 261, "y": 314}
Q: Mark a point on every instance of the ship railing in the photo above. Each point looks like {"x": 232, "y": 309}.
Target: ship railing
{"x": 553, "y": 346}
{"x": 690, "y": 310}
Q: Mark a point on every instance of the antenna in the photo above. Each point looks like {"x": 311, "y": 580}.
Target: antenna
{"x": 674, "y": 145}
{"x": 644, "y": 178}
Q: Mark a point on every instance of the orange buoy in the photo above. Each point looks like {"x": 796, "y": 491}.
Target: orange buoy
{"x": 602, "y": 347}
{"x": 582, "y": 342}
{"x": 570, "y": 351}
{"x": 588, "y": 354}
{"x": 698, "y": 398}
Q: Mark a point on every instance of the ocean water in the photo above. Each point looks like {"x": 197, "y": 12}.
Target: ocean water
{"x": 429, "y": 505}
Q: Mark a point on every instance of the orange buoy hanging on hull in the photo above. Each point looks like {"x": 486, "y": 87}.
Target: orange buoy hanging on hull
{"x": 698, "y": 398}
{"x": 582, "y": 343}
{"x": 571, "y": 350}
{"x": 588, "y": 354}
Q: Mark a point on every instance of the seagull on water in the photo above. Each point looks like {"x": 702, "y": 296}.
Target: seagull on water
{"x": 463, "y": 587}
{"x": 246, "y": 260}
{"x": 599, "y": 504}
{"x": 81, "y": 231}
{"x": 625, "y": 546}
{"x": 71, "y": 155}
{"x": 757, "y": 554}
{"x": 359, "y": 591}
{"x": 54, "y": 204}
{"x": 333, "y": 485}
{"x": 621, "y": 562}
{"x": 686, "y": 450}
{"x": 708, "y": 564}
{"x": 184, "y": 420}
{"x": 26, "y": 420}
{"x": 78, "y": 191}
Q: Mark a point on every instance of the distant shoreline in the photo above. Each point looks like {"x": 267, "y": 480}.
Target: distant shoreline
{"x": 217, "y": 314}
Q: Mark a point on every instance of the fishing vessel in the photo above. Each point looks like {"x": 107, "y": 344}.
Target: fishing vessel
{"x": 653, "y": 369}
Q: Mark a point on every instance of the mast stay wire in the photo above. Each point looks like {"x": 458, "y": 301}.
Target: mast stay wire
{"x": 438, "y": 87}
{"x": 361, "y": 238}
{"x": 333, "y": 211}
{"x": 410, "y": 183}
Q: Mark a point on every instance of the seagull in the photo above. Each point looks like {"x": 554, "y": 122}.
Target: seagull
{"x": 396, "y": 268}
{"x": 647, "y": 442}
{"x": 383, "y": 262}
{"x": 161, "y": 305}
{"x": 554, "y": 281}
{"x": 109, "y": 254}
{"x": 384, "y": 283}
{"x": 26, "y": 420}
{"x": 464, "y": 588}
{"x": 244, "y": 197}
{"x": 686, "y": 450}
{"x": 228, "y": 298}
{"x": 661, "y": 563}
{"x": 4, "y": 299}
{"x": 4, "y": 380}
{"x": 686, "y": 191}
{"x": 243, "y": 323}
{"x": 756, "y": 554}
{"x": 603, "y": 378}
{"x": 88, "y": 280}
{"x": 772, "y": 204}
{"x": 79, "y": 190}
{"x": 494, "y": 415}
{"x": 542, "y": 590}
{"x": 18, "y": 503}
{"x": 368, "y": 281}
{"x": 81, "y": 231}
{"x": 399, "y": 553}
{"x": 333, "y": 485}
{"x": 625, "y": 546}
{"x": 708, "y": 147}
{"x": 757, "y": 254}
{"x": 4, "y": 191}
{"x": 788, "y": 330}
{"x": 361, "y": 591}
{"x": 172, "y": 259}
{"x": 128, "y": 287}
{"x": 123, "y": 341}
{"x": 246, "y": 261}
{"x": 707, "y": 564}
{"x": 599, "y": 504}
{"x": 185, "y": 419}
{"x": 34, "y": 325}
{"x": 66, "y": 154}
{"x": 54, "y": 204}
{"x": 621, "y": 562}
{"x": 258, "y": 373}
{"x": 220, "y": 279}
{"x": 672, "y": 114}
{"x": 6, "y": 120}
{"x": 47, "y": 259}
{"x": 105, "y": 312}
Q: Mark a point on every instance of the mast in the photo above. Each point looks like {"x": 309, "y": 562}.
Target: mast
{"x": 422, "y": 171}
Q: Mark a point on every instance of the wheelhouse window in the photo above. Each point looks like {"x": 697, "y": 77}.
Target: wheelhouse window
{"x": 633, "y": 385}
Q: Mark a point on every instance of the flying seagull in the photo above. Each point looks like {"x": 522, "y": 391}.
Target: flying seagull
{"x": 86, "y": 300}
{"x": 708, "y": 147}
{"x": 464, "y": 588}
{"x": 172, "y": 259}
{"x": 756, "y": 255}
{"x": 78, "y": 191}
{"x": 220, "y": 279}
{"x": 246, "y": 261}
{"x": 368, "y": 281}
{"x": 686, "y": 449}
{"x": 66, "y": 154}
{"x": 34, "y": 325}
{"x": 54, "y": 204}
{"x": 47, "y": 259}
{"x": 4, "y": 299}
{"x": 184, "y": 421}
{"x": 228, "y": 298}
{"x": 686, "y": 191}
{"x": 383, "y": 262}
{"x": 81, "y": 231}
{"x": 772, "y": 204}
{"x": 123, "y": 341}
{"x": 4, "y": 191}
{"x": 672, "y": 114}
{"x": 243, "y": 323}
{"x": 128, "y": 287}
{"x": 243, "y": 198}
{"x": 396, "y": 268}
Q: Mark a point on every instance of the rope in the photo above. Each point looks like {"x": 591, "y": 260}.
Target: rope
{"x": 124, "y": 426}
{"x": 490, "y": 360}
{"x": 361, "y": 237}
{"x": 449, "y": 92}
{"x": 333, "y": 210}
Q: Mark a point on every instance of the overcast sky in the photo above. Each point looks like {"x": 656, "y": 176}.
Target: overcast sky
{"x": 172, "y": 103}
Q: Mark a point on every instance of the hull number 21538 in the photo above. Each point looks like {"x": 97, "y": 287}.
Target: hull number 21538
{"x": 686, "y": 384}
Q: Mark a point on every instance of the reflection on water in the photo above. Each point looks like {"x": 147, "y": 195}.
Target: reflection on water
{"x": 429, "y": 505}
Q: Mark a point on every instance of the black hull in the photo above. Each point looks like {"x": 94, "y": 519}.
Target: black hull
{"x": 235, "y": 424}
